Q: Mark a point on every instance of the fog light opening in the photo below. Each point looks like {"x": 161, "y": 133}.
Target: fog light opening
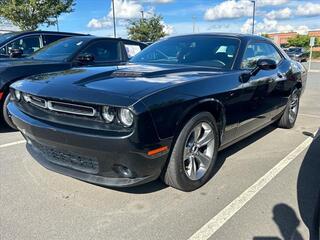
{"x": 123, "y": 171}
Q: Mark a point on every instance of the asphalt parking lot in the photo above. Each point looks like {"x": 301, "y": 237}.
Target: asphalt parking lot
{"x": 265, "y": 188}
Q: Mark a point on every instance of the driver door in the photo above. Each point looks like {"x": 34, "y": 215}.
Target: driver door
{"x": 257, "y": 92}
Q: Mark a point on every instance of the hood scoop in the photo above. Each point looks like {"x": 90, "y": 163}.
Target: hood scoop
{"x": 127, "y": 74}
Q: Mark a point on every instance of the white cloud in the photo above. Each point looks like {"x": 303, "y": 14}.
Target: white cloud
{"x": 168, "y": 29}
{"x": 269, "y": 26}
{"x": 247, "y": 26}
{"x": 236, "y": 8}
{"x": 284, "y": 13}
{"x": 124, "y": 11}
{"x": 229, "y": 9}
{"x": 308, "y": 9}
{"x": 156, "y": 1}
{"x": 99, "y": 23}
{"x": 261, "y": 3}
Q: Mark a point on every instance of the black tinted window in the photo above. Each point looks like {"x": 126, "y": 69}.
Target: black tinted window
{"x": 104, "y": 51}
{"x": 209, "y": 51}
{"x": 256, "y": 51}
{"x": 47, "y": 39}
{"x": 28, "y": 44}
{"x": 59, "y": 50}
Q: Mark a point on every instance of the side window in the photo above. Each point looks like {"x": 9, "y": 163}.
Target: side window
{"x": 47, "y": 39}
{"x": 3, "y": 51}
{"x": 27, "y": 44}
{"x": 104, "y": 51}
{"x": 132, "y": 49}
{"x": 256, "y": 51}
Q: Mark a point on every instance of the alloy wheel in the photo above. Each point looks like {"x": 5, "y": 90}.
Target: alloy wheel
{"x": 198, "y": 151}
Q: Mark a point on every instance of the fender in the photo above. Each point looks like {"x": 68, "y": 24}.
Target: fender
{"x": 212, "y": 105}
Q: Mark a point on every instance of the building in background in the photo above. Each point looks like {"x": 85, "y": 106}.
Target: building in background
{"x": 282, "y": 38}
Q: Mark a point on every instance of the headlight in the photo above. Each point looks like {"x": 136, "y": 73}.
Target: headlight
{"x": 26, "y": 97}
{"x": 108, "y": 114}
{"x": 17, "y": 95}
{"x": 126, "y": 117}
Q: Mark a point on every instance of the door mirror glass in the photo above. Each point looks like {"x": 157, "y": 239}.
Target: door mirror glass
{"x": 266, "y": 64}
{"x": 15, "y": 53}
{"x": 85, "y": 58}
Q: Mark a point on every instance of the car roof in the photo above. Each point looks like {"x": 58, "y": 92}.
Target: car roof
{"x": 91, "y": 37}
{"x": 219, "y": 34}
{"x": 47, "y": 32}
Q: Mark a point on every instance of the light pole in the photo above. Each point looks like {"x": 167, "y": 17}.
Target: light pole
{"x": 253, "y": 15}
{"x": 114, "y": 20}
{"x": 57, "y": 23}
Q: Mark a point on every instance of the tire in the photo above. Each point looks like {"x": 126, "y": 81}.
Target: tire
{"x": 185, "y": 171}
{"x": 5, "y": 114}
{"x": 290, "y": 113}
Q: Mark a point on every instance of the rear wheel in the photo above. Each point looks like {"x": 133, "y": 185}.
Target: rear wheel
{"x": 290, "y": 114}
{"x": 194, "y": 153}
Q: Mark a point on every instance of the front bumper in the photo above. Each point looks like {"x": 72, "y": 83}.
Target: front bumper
{"x": 96, "y": 158}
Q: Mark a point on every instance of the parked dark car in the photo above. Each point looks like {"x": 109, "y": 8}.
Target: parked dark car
{"x": 167, "y": 113}
{"x": 298, "y": 54}
{"x": 61, "y": 55}
{"x": 23, "y": 44}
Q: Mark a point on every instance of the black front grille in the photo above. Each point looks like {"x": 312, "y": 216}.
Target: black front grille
{"x": 68, "y": 159}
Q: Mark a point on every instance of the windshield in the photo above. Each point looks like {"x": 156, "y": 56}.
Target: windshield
{"x": 207, "y": 51}
{"x": 5, "y": 37}
{"x": 60, "y": 50}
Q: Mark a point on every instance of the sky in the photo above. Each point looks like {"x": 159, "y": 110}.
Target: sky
{"x": 95, "y": 16}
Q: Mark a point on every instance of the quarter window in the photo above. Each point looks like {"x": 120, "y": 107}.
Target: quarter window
{"x": 256, "y": 51}
{"x": 132, "y": 49}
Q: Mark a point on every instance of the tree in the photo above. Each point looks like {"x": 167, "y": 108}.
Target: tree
{"x": 29, "y": 14}
{"x": 299, "y": 41}
{"x": 266, "y": 35}
{"x": 146, "y": 30}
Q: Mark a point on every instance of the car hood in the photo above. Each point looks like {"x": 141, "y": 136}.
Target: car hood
{"x": 116, "y": 85}
{"x": 14, "y": 62}
{"x": 17, "y": 69}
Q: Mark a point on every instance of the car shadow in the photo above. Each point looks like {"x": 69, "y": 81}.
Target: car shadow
{"x": 5, "y": 129}
{"x": 158, "y": 185}
{"x": 308, "y": 196}
{"x": 308, "y": 188}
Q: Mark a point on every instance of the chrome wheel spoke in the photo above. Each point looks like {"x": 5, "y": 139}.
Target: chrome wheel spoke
{"x": 203, "y": 159}
{"x": 192, "y": 168}
{"x": 206, "y": 138}
{"x": 197, "y": 132}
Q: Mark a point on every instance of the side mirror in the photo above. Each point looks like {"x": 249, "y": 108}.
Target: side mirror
{"x": 85, "y": 58}
{"x": 15, "y": 53}
{"x": 262, "y": 64}
{"x": 266, "y": 64}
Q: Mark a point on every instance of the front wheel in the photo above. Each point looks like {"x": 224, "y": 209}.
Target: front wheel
{"x": 290, "y": 113}
{"x": 6, "y": 115}
{"x": 194, "y": 153}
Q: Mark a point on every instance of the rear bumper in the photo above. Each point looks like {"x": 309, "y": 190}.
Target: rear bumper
{"x": 95, "y": 158}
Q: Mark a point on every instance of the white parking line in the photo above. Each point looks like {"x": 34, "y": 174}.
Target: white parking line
{"x": 12, "y": 144}
{"x": 225, "y": 214}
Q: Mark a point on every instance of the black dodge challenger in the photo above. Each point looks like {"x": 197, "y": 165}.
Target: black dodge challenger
{"x": 77, "y": 51}
{"x": 166, "y": 113}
